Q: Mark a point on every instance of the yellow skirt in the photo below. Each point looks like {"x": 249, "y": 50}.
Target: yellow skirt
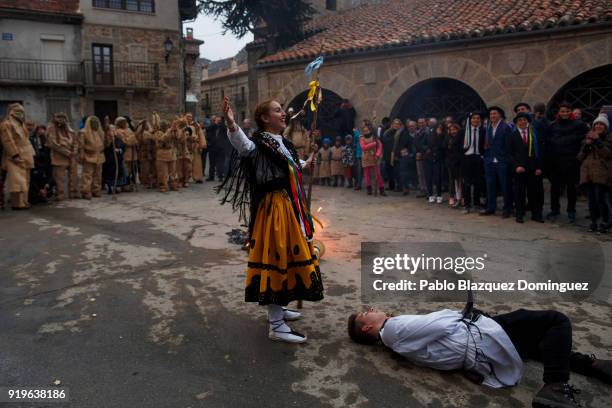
{"x": 282, "y": 265}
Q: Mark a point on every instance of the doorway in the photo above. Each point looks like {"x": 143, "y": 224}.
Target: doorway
{"x": 106, "y": 108}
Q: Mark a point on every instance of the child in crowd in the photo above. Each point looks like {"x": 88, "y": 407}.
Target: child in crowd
{"x": 337, "y": 171}
{"x": 348, "y": 161}
{"x": 325, "y": 157}
{"x": 371, "y": 149}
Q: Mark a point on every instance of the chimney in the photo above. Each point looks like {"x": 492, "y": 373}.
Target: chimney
{"x": 234, "y": 65}
{"x": 205, "y": 71}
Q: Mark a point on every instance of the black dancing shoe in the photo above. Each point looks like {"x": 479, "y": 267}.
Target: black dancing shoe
{"x": 556, "y": 395}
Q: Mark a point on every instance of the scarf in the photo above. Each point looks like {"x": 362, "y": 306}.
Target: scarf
{"x": 242, "y": 189}
{"x": 470, "y": 138}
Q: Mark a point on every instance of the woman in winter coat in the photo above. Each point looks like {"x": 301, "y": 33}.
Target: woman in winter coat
{"x": 595, "y": 155}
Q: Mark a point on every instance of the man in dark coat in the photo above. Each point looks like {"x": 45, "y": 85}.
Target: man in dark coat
{"x": 525, "y": 157}
{"x": 345, "y": 118}
{"x": 565, "y": 138}
{"x": 394, "y": 140}
{"x": 216, "y": 136}
{"x": 497, "y": 142}
{"x": 472, "y": 167}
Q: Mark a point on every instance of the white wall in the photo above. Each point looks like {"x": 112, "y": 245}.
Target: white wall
{"x": 28, "y": 39}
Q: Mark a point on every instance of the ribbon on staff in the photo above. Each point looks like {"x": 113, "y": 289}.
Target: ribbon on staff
{"x": 313, "y": 90}
{"x": 314, "y": 65}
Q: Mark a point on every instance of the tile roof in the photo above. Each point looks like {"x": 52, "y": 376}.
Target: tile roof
{"x": 394, "y": 23}
{"x": 228, "y": 72}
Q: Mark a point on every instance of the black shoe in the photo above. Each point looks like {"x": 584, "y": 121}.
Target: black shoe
{"x": 210, "y": 179}
{"x": 603, "y": 228}
{"x": 592, "y": 228}
{"x": 486, "y": 212}
{"x": 506, "y": 215}
{"x": 552, "y": 216}
{"x": 536, "y": 217}
{"x": 571, "y": 216}
{"x": 591, "y": 366}
{"x": 520, "y": 220}
{"x": 382, "y": 192}
{"x": 556, "y": 395}
{"x": 369, "y": 190}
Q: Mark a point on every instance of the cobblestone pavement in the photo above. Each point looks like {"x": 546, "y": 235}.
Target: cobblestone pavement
{"x": 138, "y": 302}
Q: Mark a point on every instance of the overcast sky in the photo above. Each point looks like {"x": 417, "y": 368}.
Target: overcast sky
{"x": 216, "y": 45}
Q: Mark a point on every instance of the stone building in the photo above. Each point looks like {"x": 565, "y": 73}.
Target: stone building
{"x": 231, "y": 80}
{"x": 412, "y": 58}
{"x": 134, "y": 56}
{"x": 40, "y": 53}
{"x": 106, "y": 57}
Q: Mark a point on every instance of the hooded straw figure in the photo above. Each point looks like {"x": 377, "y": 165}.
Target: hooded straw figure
{"x": 92, "y": 157}
{"x": 17, "y": 156}
{"x": 64, "y": 146}
{"x": 265, "y": 185}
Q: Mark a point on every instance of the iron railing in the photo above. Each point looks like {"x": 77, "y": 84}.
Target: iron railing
{"x": 121, "y": 74}
{"x": 116, "y": 74}
{"x": 38, "y": 71}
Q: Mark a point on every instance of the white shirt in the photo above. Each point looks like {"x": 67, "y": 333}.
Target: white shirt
{"x": 475, "y": 140}
{"x": 245, "y": 145}
{"x": 494, "y": 132}
{"x": 441, "y": 340}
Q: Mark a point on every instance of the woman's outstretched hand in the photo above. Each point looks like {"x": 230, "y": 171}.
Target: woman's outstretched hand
{"x": 229, "y": 114}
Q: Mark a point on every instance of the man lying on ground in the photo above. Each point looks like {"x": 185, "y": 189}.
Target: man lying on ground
{"x": 488, "y": 349}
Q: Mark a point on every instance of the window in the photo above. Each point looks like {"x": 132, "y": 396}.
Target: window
{"x": 144, "y": 6}
{"x": 102, "y": 63}
{"x": 330, "y": 4}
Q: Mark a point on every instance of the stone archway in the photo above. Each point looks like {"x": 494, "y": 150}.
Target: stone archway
{"x": 330, "y": 80}
{"x": 589, "y": 91}
{"x": 461, "y": 69}
{"x": 568, "y": 67}
{"x": 438, "y": 97}
{"x": 326, "y": 122}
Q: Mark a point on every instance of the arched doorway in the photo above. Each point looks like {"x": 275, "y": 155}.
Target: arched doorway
{"x": 325, "y": 118}
{"x": 438, "y": 98}
{"x": 588, "y": 92}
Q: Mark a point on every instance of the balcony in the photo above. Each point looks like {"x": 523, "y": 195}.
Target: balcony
{"x": 90, "y": 74}
{"x": 120, "y": 75}
{"x": 38, "y": 72}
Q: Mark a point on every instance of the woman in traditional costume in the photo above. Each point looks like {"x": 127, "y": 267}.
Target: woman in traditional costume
{"x": 265, "y": 185}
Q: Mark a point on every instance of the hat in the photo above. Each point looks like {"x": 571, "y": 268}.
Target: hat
{"x": 497, "y": 108}
{"x": 602, "y": 118}
{"x": 522, "y": 115}
{"x": 518, "y": 105}
{"x": 327, "y": 140}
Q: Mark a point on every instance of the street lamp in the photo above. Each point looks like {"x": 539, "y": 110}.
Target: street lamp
{"x": 168, "y": 47}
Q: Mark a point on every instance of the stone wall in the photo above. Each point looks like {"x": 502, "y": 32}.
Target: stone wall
{"x": 139, "y": 45}
{"x": 502, "y": 73}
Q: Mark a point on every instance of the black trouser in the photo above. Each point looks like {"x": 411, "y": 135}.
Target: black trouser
{"x": 528, "y": 186}
{"x": 472, "y": 171}
{"x": 597, "y": 202}
{"x": 545, "y": 336}
{"x": 390, "y": 173}
{"x": 433, "y": 176}
{"x": 203, "y": 155}
{"x": 564, "y": 175}
{"x": 216, "y": 158}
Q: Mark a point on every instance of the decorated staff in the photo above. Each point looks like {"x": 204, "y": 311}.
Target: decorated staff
{"x": 265, "y": 185}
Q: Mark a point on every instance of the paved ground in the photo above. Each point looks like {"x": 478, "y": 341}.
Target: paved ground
{"x": 139, "y": 303}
